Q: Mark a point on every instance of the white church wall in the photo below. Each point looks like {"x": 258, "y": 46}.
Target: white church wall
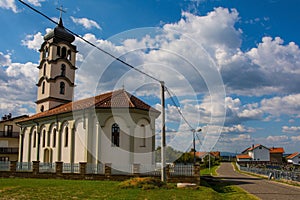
{"x": 80, "y": 141}
{"x": 118, "y": 156}
{"x": 66, "y": 143}
{"x": 143, "y": 143}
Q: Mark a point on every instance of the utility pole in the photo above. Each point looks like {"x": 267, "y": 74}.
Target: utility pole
{"x": 163, "y": 133}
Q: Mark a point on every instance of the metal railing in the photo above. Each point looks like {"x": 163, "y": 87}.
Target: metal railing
{"x": 94, "y": 168}
{"x": 9, "y": 150}
{"x": 47, "y": 167}
{"x": 4, "y": 165}
{"x": 150, "y": 170}
{"x": 9, "y": 134}
{"x": 273, "y": 173}
{"x": 182, "y": 170}
{"x": 24, "y": 166}
{"x": 71, "y": 168}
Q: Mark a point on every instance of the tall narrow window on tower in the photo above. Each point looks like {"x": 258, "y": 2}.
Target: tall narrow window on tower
{"x": 43, "y": 87}
{"x": 46, "y": 52}
{"x": 63, "y": 70}
{"x": 58, "y": 50}
{"x": 44, "y": 70}
{"x": 62, "y": 88}
{"x": 64, "y": 52}
{"x": 69, "y": 55}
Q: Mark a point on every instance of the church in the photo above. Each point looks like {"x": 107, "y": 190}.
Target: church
{"x": 115, "y": 127}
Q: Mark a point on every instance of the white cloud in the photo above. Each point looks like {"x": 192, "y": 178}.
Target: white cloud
{"x": 9, "y": 5}
{"x": 17, "y": 86}
{"x": 33, "y": 41}
{"x": 296, "y": 139}
{"x": 87, "y": 23}
{"x": 238, "y": 129}
{"x": 35, "y": 2}
{"x": 277, "y": 139}
{"x": 286, "y": 105}
{"x": 292, "y": 129}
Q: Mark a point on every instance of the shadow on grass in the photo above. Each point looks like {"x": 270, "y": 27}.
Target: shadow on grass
{"x": 223, "y": 185}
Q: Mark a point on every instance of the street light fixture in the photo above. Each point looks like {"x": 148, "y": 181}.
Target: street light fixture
{"x": 194, "y": 144}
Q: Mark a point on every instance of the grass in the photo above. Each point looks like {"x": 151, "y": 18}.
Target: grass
{"x": 17, "y": 188}
{"x": 212, "y": 171}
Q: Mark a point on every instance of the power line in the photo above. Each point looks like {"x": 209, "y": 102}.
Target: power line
{"x": 178, "y": 110}
{"x": 102, "y": 50}
{"x": 114, "y": 57}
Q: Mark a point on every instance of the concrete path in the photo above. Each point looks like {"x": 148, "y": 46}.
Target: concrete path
{"x": 263, "y": 189}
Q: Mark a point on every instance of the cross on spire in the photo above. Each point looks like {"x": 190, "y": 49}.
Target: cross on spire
{"x": 61, "y": 10}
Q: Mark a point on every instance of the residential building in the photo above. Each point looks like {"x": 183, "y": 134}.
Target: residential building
{"x": 255, "y": 153}
{"x": 276, "y": 154}
{"x": 294, "y": 158}
{"x": 9, "y": 137}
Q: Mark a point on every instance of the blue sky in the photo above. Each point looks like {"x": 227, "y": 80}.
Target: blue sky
{"x": 234, "y": 65}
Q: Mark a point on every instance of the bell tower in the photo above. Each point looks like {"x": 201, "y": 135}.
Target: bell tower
{"x": 56, "y": 69}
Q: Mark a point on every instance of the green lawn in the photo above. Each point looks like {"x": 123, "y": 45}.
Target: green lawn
{"x": 16, "y": 188}
{"x": 212, "y": 171}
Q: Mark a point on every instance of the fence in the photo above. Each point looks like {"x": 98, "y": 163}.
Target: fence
{"x": 24, "y": 166}
{"x": 276, "y": 174}
{"x": 94, "y": 168}
{"x": 181, "y": 169}
{"x": 47, "y": 167}
{"x": 71, "y": 168}
{"x": 5, "y": 166}
{"x": 100, "y": 171}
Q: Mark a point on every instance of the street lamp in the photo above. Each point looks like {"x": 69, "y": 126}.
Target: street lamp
{"x": 194, "y": 144}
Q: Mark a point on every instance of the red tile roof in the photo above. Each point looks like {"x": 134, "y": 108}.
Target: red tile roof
{"x": 293, "y": 155}
{"x": 253, "y": 147}
{"x": 243, "y": 156}
{"x": 114, "y": 99}
{"x": 200, "y": 154}
{"x": 276, "y": 150}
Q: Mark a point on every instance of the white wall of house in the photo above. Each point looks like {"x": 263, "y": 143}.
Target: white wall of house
{"x": 260, "y": 153}
{"x": 295, "y": 160}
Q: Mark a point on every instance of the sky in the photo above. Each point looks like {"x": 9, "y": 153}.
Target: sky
{"x": 232, "y": 66}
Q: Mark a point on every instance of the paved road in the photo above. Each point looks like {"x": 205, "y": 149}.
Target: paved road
{"x": 261, "y": 188}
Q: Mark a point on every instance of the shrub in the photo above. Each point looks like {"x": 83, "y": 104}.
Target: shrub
{"x": 144, "y": 183}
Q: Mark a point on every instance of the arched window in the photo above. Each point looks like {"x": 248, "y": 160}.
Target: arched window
{"x": 48, "y": 138}
{"x": 43, "y": 87}
{"x": 42, "y": 108}
{"x": 34, "y": 139}
{"x": 143, "y": 129}
{"x": 44, "y": 72}
{"x": 44, "y": 138}
{"x": 63, "y": 70}
{"x": 62, "y": 88}
{"x": 69, "y": 55}
{"x": 115, "y": 135}
{"x": 46, "y": 52}
{"x": 64, "y": 52}
{"x": 54, "y": 138}
{"x": 66, "y": 136}
{"x": 58, "y": 50}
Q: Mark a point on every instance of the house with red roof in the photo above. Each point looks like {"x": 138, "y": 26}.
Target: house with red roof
{"x": 294, "y": 158}
{"x": 276, "y": 154}
{"x": 255, "y": 153}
